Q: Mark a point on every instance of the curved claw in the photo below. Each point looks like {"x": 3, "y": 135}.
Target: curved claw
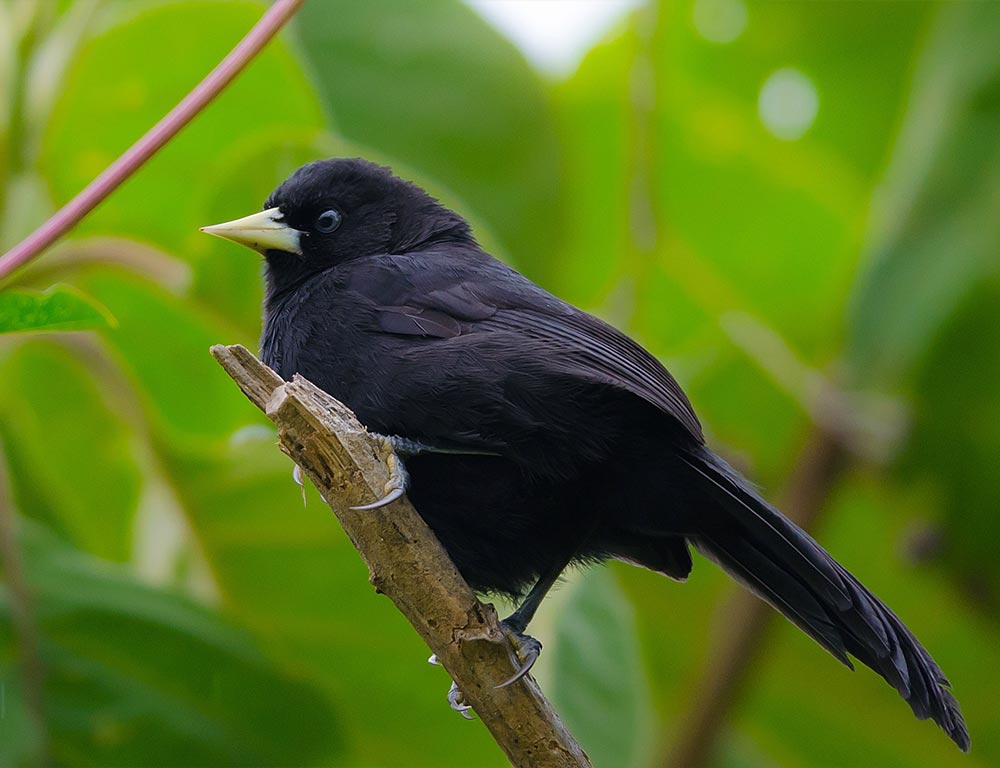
{"x": 528, "y": 648}
{"x": 300, "y": 482}
{"x": 390, "y": 497}
{"x": 399, "y": 479}
{"x": 456, "y": 700}
{"x": 531, "y": 649}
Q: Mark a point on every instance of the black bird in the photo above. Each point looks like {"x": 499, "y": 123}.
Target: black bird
{"x": 534, "y": 434}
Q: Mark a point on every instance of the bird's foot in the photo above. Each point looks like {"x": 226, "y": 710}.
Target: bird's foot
{"x": 399, "y": 478}
{"x": 528, "y": 651}
{"x": 456, "y": 700}
{"x": 393, "y": 448}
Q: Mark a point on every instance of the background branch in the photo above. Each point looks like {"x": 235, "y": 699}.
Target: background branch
{"x": 748, "y": 618}
{"x": 128, "y": 163}
{"x": 406, "y": 562}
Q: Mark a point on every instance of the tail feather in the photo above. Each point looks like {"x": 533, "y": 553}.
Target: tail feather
{"x": 787, "y": 568}
{"x": 759, "y": 574}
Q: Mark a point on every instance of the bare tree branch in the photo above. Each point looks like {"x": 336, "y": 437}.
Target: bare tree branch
{"x": 406, "y": 562}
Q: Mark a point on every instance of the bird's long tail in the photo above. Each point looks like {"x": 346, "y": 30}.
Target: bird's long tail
{"x": 782, "y": 564}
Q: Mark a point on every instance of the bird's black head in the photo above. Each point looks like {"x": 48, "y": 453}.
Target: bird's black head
{"x": 332, "y": 211}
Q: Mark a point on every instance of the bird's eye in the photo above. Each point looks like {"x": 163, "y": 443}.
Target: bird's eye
{"x": 328, "y": 221}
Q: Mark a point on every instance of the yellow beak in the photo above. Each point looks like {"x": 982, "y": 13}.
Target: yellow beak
{"x": 264, "y": 231}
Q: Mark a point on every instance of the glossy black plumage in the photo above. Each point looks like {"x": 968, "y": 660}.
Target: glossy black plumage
{"x": 553, "y": 436}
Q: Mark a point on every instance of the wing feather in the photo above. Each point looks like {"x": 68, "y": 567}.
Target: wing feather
{"x": 418, "y": 321}
{"x": 477, "y": 294}
{"x": 589, "y": 348}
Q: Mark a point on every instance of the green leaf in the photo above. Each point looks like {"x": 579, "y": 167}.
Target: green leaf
{"x": 71, "y": 450}
{"x": 768, "y": 224}
{"x": 60, "y": 308}
{"x": 162, "y": 343}
{"x": 136, "y": 70}
{"x": 739, "y": 219}
{"x": 925, "y": 311}
{"x": 597, "y": 678}
{"x": 141, "y": 676}
{"x": 21, "y": 738}
{"x": 935, "y": 233}
{"x": 432, "y": 85}
{"x": 956, "y": 439}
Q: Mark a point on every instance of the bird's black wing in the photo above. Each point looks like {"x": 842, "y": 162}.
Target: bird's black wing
{"x": 434, "y": 296}
{"x": 589, "y": 349}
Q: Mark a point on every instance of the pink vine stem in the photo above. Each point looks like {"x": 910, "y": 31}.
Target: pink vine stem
{"x": 128, "y": 163}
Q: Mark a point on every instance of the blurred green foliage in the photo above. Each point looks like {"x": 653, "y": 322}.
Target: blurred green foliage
{"x": 187, "y": 609}
{"x": 60, "y": 308}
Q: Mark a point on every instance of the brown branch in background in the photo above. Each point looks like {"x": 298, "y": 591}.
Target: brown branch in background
{"x": 820, "y": 466}
{"x": 94, "y": 193}
{"x": 730, "y": 663}
{"x": 406, "y": 562}
{"x": 22, "y": 616}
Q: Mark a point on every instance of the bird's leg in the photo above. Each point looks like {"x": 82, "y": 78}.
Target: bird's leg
{"x": 394, "y": 450}
{"x": 528, "y": 648}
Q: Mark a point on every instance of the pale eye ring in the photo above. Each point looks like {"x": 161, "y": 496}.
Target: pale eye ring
{"x": 328, "y": 221}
